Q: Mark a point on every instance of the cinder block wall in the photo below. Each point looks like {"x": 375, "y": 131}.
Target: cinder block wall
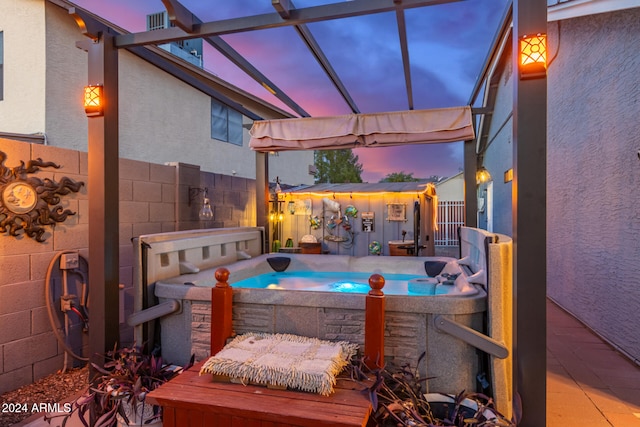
{"x": 152, "y": 198}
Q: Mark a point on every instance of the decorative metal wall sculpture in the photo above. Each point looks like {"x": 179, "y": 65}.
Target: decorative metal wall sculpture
{"x": 29, "y": 203}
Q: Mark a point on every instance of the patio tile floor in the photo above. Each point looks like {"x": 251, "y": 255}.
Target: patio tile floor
{"x": 588, "y": 382}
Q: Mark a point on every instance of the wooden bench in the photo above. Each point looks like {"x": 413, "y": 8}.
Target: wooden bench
{"x": 191, "y": 400}
{"x": 198, "y": 401}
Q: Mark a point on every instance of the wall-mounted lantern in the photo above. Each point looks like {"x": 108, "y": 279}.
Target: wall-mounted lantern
{"x": 533, "y": 56}
{"x": 482, "y": 175}
{"x": 205, "y": 213}
{"x": 93, "y": 101}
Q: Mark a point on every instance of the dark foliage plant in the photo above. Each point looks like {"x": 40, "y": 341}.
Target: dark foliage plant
{"x": 398, "y": 400}
{"x": 124, "y": 379}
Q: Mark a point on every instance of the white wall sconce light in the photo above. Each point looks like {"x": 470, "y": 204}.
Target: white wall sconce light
{"x": 205, "y": 213}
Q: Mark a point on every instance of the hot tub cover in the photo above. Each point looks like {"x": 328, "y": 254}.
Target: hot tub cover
{"x": 292, "y": 361}
{"x": 363, "y": 130}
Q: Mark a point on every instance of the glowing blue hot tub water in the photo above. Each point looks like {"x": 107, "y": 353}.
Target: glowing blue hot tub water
{"x": 339, "y": 281}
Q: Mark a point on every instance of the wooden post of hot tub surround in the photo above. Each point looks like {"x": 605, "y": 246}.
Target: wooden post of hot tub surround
{"x": 374, "y": 323}
{"x": 221, "y": 311}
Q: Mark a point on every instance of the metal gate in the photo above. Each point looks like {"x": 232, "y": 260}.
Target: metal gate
{"x": 450, "y": 217}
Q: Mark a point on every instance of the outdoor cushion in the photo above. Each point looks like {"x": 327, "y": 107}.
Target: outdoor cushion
{"x": 283, "y": 360}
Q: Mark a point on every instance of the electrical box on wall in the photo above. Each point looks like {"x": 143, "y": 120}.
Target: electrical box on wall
{"x": 69, "y": 261}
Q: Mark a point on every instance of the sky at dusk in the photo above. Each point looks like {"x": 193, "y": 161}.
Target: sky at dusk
{"x": 448, "y": 45}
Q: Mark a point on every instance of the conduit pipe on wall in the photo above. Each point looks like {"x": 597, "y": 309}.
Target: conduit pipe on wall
{"x": 50, "y": 313}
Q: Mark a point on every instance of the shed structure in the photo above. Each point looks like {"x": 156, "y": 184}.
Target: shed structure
{"x": 357, "y": 218}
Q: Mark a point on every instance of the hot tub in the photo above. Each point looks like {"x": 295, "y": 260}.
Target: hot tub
{"x": 320, "y": 310}
{"x": 424, "y": 315}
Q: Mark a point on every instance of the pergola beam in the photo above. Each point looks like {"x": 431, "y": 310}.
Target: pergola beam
{"x": 103, "y": 159}
{"x": 180, "y": 15}
{"x": 232, "y": 55}
{"x": 283, "y": 7}
{"x": 316, "y": 51}
{"x": 272, "y": 20}
{"x": 92, "y": 28}
{"x": 404, "y": 49}
{"x": 529, "y": 205}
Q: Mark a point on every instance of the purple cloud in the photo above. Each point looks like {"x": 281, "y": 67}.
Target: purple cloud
{"x": 447, "y": 46}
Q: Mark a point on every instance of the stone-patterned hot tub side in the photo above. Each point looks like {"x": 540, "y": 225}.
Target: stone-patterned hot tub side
{"x": 409, "y": 329}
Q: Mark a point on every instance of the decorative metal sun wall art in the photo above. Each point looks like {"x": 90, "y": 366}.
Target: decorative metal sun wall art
{"x": 29, "y": 203}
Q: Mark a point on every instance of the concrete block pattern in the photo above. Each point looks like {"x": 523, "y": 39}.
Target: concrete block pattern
{"x": 168, "y": 193}
{"x": 15, "y": 326}
{"x": 15, "y": 379}
{"x": 147, "y": 191}
{"x": 15, "y": 151}
{"x": 162, "y": 212}
{"x": 139, "y": 229}
{"x": 14, "y": 269}
{"x": 125, "y": 230}
{"x": 231, "y": 198}
{"x": 27, "y": 351}
{"x": 162, "y": 173}
{"x": 134, "y": 170}
{"x": 223, "y": 182}
{"x": 40, "y": 321}
{"x": 189, "y": 175}
{"x": 67, "y": 237}
{"x": 125, "y": 190}
{"x": 21, "y": 296}
{"x": 147, "y": 195}
{"x": 134, "y": 211}
{"x": 82, "y": 214}
{"x": 239, "y": 184}
{"x": 69, "y": 160}
{"x": 12, "y": 246}
{"x": 39, "y": 263}
{"x": 126, "y": 279}
{"x": 45, "y": 367}
{"x": 125, "y": 253}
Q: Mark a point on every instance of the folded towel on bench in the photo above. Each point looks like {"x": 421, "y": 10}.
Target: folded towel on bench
{"x": 283, "y": 360}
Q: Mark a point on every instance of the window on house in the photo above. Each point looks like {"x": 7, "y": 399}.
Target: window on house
{"x": 1, "y": 65}
{"x": 226, "y": 123}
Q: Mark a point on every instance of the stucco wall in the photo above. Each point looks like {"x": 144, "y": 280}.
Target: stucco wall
{"x": 22, "y": 24}
{"x": 451, "y": 189}
{"x": 499, "y": 155}
{"x": 593, "y": 174}
{"x": 149, "y": 195}
{"x": 161, "y": 118}
{"x": 65, "y": 77}
{"x": 593, "y": 184}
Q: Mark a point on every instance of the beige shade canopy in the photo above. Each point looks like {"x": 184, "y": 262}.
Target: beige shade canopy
{"x": 363, "y": 130}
